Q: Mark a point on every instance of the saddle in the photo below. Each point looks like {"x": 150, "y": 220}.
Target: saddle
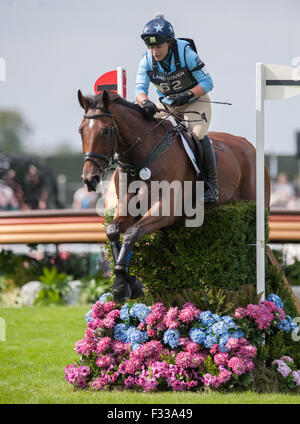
{"x": 194, "y": 143}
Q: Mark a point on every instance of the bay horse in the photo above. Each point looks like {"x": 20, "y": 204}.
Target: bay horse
{"x": 113, "y": 126}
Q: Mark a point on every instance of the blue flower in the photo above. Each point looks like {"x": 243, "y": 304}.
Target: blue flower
{"x": 140, "y": 311}
{"x": 223, "y": 340}
{"x": 210, "y": 341}
{"x": 284, "y": 325}
{"x": 135, "y": 346}
{"x": 219, "y": 328}
{"x": 276, "y": 300}
{"x": 171, "y": 337}
{"x": 124, "y": 312}
{"x": 197, "y": 335}
{"x": 88, "y": 316}
{"x": 237, "y": 334}
{"x": 120, "y": 332}
{"x": 293, "y": 325}
{"x": 216, "y": 317}
{"x": 206, "y": 318}
{"x": 135, "y": 336}
{"x": 105, "y": 297}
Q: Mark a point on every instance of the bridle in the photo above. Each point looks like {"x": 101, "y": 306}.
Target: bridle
{"x": 114, "y": 138}
{"x": 114, "y": 158}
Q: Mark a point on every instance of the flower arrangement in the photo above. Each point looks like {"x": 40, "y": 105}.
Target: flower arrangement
{"x": 152, "y": 348}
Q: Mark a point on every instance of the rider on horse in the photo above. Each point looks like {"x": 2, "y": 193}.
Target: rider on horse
{"x": 179, "y": 75}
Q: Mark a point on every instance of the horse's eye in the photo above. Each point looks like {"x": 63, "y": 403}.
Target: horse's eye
{"x": 105, "y": 131}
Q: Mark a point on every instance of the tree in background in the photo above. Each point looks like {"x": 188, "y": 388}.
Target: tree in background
{"x": 13, "y": 131}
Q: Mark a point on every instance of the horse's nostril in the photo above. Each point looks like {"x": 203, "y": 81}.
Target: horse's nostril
{"x": 95, "y": 180}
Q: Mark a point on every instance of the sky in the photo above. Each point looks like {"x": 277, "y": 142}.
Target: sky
{"x": 52, "y": 48}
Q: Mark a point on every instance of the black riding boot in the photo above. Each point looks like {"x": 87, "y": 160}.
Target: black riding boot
{"x": 211, "y": 195}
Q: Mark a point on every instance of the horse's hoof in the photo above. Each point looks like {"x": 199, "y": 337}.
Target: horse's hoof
{"x": 137, "y": 288}
{"x": 121, "y": 291}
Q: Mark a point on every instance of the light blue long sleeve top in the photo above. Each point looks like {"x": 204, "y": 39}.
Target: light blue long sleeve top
{"x": 188, "y": 58}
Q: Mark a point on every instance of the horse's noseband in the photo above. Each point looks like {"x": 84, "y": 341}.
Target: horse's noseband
{"x": 114, "y": 136}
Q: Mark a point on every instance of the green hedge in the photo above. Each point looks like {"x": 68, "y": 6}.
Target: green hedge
{"x": 221, "y": 253}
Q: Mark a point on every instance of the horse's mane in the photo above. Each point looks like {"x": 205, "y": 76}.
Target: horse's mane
{"x": 95, "y": 102}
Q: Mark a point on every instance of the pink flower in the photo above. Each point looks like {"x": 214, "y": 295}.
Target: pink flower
{"x": 141, "y": 326}
{"x": 120, "y": 348}
{"x": 105, "y": 361}
{"x": 248, "y": 351}
{"x": 151, "y": 333}
{"x": 192, "y": 347}
{"x": 237, "y": 365}
{"x": 103, "y": 344}
{"x": 189, "y": 360}
{"x": 189, "y": 313}
{"x": 109, "y": 306}
{"x": 215, "y": 349}
{"x": 129, "y": 381}
{"x": 85, "y": 346}
{"x": 211, "y": 380}
{"x": 296, "y": 377}
{"x": 232, "y": 343}
{"x": 152, "y": 348}
{"x": 77, "y": 375}
{"x": 287, "y": 359}
{"x": 261, "y": 314}
{"x": 221, "y": 358}
{"x": 97, "y": 310}
{"x": 170, "y": 318}
{"x": 250, "y": 366}
{"x": 240, "y": 313}
{"x": 224, "y": 375}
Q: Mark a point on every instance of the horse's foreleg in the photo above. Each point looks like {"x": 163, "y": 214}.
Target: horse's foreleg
{"x": 125, "y": 285}
{"x": 146, "y": 225}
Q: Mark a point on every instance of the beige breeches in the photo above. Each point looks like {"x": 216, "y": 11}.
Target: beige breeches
{"x": 201, "y": 122}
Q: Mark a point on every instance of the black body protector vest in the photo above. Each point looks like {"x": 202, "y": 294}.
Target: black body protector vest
{"x": 181, "y": 79}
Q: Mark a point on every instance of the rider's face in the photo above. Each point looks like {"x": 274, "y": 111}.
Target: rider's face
{"x": 159, "y": 51}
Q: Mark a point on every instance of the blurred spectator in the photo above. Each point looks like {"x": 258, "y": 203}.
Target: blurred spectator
{"x": 8, "y": 200}
{"x": 283, "y": 193}
{"x": 83, "y": 199}
{"x": 33, "y": 184}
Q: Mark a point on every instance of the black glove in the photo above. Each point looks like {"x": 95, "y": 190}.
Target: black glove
{"x": 181, "y": 98}
{"x": 149, "y": 108}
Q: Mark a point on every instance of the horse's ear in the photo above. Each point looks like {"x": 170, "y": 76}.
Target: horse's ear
{"x": 105, "y": 100}
{"x": 82, "y": 100}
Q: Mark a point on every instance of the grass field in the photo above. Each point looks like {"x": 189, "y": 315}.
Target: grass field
{"x": 39, "y": 344}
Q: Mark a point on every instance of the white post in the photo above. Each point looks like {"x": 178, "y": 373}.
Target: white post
{"x": 260, "y": 181}
{"x": 2, "y": 69}
{"x": 120, "y": 81}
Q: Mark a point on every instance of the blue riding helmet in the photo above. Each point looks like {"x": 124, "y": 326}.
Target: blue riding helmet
{"x": 157, "y": 31}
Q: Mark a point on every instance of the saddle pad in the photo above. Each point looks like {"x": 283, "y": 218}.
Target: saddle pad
{"x": 187, "y": 148}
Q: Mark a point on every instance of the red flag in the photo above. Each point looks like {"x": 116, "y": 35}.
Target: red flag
{"x": 112, "y": 81}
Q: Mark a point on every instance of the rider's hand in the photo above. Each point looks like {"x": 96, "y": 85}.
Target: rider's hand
{"x": 149, "y": 108}
{"x": 181, "y": 98}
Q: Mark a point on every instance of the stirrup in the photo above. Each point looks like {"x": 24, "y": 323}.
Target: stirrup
{"x": 211, "y": 195}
